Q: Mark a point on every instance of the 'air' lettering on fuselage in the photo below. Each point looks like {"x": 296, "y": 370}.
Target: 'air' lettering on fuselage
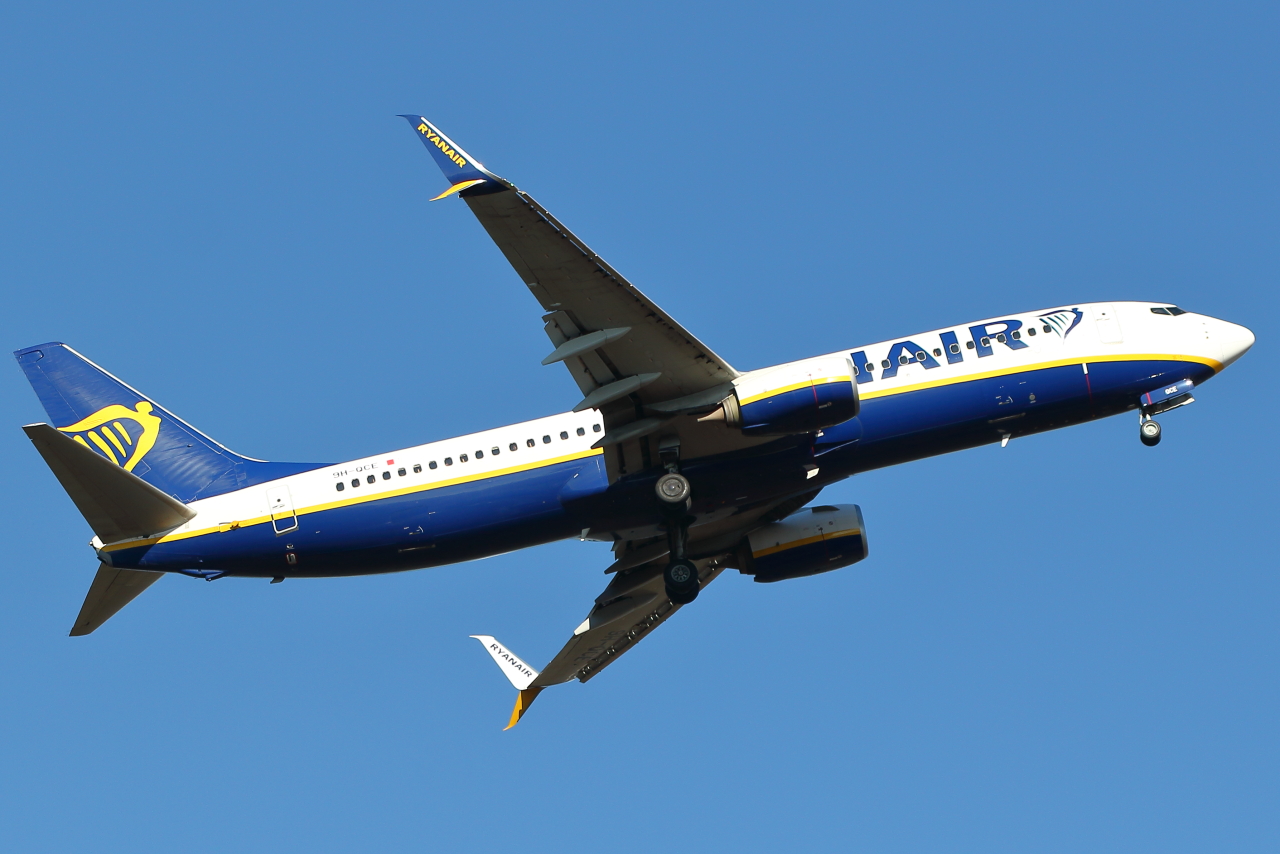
{"x": 997, "y": 331}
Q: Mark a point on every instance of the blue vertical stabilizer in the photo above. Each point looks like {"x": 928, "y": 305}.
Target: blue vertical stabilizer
{"x": 123, "y": 425}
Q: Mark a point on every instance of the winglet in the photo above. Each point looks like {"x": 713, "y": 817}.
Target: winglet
{"x": 523, "y": 701}
{"x": 517, "y": 672}
{"x": 461, "y": 169}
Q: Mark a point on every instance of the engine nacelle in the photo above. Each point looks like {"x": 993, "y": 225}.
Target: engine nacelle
{"x": 816, "y": 539}
{"x": 798, "y": 397}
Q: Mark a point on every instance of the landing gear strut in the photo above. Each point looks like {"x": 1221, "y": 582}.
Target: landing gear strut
{"x": 681, "y": 575}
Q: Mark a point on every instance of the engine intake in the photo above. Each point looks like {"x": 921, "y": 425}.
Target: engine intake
{"x": 814, "y": 540}
{"x": 798, "y": 397}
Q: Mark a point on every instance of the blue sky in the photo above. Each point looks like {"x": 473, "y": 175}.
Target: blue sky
{"x": 1067, "y": 644}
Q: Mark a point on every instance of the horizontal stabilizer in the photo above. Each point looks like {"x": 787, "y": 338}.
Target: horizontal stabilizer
{"x": 118, "y": 505}
{"x": 111, "y": 590}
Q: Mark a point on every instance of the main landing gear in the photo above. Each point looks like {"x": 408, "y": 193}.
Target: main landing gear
{"x": 681, "y": 575}
{"x": 1149, "y": 432}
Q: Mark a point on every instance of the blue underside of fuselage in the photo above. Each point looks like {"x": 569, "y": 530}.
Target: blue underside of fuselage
{"x": 501, "y": 514}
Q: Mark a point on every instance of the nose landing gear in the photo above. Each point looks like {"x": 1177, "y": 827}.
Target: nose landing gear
{"x": 673, "y": 489}
{"x": 1157, "y": 402}
{"x": 681, "y": 575}
{"x": 1149, "y": 433}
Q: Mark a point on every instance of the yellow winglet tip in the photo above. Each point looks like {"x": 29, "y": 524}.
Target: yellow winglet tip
{"x": 523, "y": 701}
{"x": 458, "y": 188}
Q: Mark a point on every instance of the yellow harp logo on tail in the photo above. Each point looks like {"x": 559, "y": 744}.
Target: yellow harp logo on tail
{"x": 105, "y": 429}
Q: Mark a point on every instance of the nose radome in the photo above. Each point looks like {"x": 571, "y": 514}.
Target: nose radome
{"x": 1236, "y": 341}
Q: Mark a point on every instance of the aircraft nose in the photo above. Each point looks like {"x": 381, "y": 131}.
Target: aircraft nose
{"x": 1236, "y": 340}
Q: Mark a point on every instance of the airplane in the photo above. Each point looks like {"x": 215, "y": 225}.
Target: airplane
{"x": 686, "y": 465}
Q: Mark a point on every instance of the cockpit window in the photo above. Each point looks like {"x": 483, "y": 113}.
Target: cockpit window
{"x": 1169, "y": 310}
{"x": 1175, "y": 311}
{"x": 1164, "y": 311}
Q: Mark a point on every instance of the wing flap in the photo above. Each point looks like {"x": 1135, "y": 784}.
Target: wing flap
{"x": 632, "y": 606}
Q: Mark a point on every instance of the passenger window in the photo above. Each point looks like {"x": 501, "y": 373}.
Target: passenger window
{"x": 985, "y": 341}
{"x": 564, "y": 434}
{"x": 871, "y": 369}
{"x": 546, "y": 440}
{"x": 595, "y": 428}
{"x": 1031, "y": 330}
{"x": 479, "y": 455}
{"x": 530, "y": 442}
{"x": 1016, "y": 335}
{"x": 512, "y": 446}
{"x": 386, "y": 475}
{"x": 954, "y": 348}
{"x": 341, "y": 486}
{"x": 448, "y": 461}
{"x": 1001, "y": 338}
{"x": 937, "y": 351}
{"x": 431, "y": 464}
{"x": 1047, "y": 328}
{"x": 462, "y": 458}
{"x": 495, "y": 451}
{"x": 969, "y": 344}
{"x": 582, "y": 431}
{"x": 902, "y": 360}
{"x": 884, "y": 363}
{"x": 402, "y": 472}
{"x": 921, "y": 355}
{"x": 371, "y": 478}
{"x": 355, "y": 481}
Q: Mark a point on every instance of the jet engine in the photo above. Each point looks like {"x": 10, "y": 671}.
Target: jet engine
{"x": 814, "y": 540}
{"x": 798, "y": 397}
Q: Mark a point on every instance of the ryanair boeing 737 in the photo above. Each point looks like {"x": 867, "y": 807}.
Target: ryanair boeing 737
{"x": 687, "y": 466}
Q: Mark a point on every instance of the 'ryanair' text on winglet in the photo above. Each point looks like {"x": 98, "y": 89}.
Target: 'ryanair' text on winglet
{"x": 461, "y": 169}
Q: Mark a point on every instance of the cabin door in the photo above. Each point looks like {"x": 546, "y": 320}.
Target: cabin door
{"x": 1104, "y": 317}
{"x": 280, "y": 505}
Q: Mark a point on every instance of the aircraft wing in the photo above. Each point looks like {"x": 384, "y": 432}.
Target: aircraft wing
{"x": 633, "y": 604}
{"x": 630, "y": 359}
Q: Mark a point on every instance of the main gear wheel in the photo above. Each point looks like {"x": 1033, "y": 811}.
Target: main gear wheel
{"x": 681, "y": 580}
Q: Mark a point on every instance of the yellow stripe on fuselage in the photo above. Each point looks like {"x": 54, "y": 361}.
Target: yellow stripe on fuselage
{"x": 360, "y": 499}
{"x": 870, "y": 394}
{"x": 867, "y": 394}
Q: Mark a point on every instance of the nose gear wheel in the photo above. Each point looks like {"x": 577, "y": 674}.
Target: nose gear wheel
{"x": 672, "y": 488}
{"x": 1149, "y": 432}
